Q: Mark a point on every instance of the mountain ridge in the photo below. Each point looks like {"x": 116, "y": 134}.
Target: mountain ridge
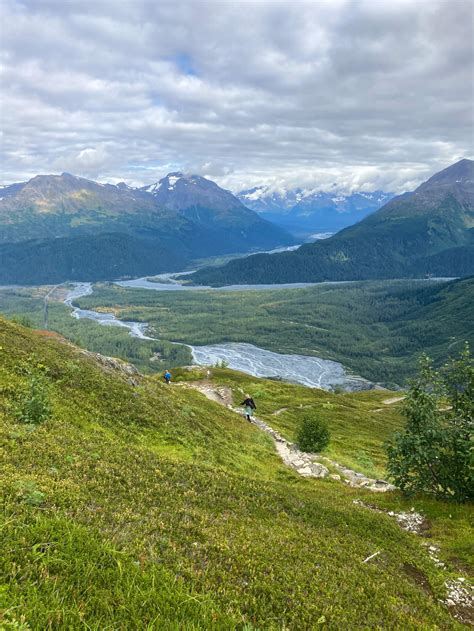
{"x": 59, "y": 213}
{"x": 303, "y": 211}
{"x": 427, "y": 232}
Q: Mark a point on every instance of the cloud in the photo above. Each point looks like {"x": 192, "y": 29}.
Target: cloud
{"x": 363, "y": 94}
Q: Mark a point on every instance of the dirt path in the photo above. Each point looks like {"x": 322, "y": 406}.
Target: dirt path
{"x": 459, "y": 597}
{"x": 305, "y": 464}
{"x": 219, "y": 394}
{"x": 392, "y": 400}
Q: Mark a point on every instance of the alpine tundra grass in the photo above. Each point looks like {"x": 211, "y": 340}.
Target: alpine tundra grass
{"x": 138, "y": 505}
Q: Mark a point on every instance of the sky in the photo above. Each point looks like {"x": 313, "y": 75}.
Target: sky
{"x": 363, "y": 94}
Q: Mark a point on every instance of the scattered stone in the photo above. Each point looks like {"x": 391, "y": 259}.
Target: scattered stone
{"x": 460, "y": 600}
{"x": 335, "y": 476}
{"x": 111, "y": 364}
{"x": 411, "y": 522}
{"x": 306, "y": 464}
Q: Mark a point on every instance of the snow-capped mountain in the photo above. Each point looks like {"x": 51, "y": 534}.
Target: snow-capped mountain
{"x": 263, "y": 199}
{"x": 181, "y": 191}
{"x": 308, "y": 211}
{"x": 58, "y": 227}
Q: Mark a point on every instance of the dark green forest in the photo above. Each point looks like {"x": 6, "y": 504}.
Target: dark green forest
{"x": 426, "y": 233}
{"x": 386, "y": 252}
{"x": 377, "y": 329}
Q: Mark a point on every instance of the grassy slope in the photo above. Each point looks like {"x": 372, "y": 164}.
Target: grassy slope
{"x": 376, "y": 329}
{"x": 360, "y": 423}
{"x": 149, "y": 507}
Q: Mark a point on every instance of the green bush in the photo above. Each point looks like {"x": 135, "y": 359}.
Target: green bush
{"x": 434, "y": 453}
{"x": 313, "y": 435}
{"x": 34, "y": 405}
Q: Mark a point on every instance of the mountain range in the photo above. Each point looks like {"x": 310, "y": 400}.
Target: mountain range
{"x": 304, "y": 213}
{"x": 63, "y": 227}
{"x": 427, "y": 232}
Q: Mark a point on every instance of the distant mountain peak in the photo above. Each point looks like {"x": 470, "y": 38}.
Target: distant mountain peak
{"x": 425, "y": 233}
{"x": 123, "y": 186}
{"x": 458, "y": 173}
{"x": 169, "y": 181}
{"x": 179, "y": 190}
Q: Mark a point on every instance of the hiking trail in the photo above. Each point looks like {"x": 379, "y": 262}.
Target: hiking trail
{"x": 308, "y": 465}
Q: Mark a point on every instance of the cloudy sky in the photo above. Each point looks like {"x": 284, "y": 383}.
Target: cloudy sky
{"x": 363, "y": 93}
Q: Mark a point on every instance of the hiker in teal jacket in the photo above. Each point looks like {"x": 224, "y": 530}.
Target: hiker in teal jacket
{"x": 249, "y": 405}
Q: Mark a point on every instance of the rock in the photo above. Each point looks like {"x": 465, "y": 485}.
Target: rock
{"x": 335, "y": 476}
{"x": 319, "y": 470}
{"x": 297, "y": 462}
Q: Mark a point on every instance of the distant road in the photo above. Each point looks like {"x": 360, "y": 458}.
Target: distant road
{"x": 45, "y": 305}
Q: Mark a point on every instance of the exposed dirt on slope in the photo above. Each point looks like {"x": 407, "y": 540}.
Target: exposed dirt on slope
{"x": 392, "y": 400}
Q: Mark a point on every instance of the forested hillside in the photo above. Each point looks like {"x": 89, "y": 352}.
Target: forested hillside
{"x": 377, "y": 329}
{"x": 62, "y": 227}
{"x": 429, "y": 232}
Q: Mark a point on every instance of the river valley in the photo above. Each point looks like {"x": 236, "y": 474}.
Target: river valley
{"x": 307, "y": 370}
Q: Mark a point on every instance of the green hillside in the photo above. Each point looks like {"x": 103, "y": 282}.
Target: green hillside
{"x": 138, "y": 505}
{"x": 427, "y": 232}
{"x": 62, "y": 227}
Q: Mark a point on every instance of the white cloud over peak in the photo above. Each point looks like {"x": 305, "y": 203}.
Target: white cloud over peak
{"x": 364, "y": 94}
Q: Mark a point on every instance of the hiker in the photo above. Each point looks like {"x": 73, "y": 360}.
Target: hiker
{"x": 167, "y": 376}
{"x": 249, "y": 405}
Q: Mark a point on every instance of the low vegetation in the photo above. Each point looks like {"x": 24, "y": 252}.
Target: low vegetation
{"x": 181, "y": 515}
{"x": 359, "y": 423}
{"x": 26, "y": 306}
{"x": 378, "y": 330}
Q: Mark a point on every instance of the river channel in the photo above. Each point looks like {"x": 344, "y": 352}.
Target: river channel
{"x": 313, "y": 372}
{"x": 310, "y": 371}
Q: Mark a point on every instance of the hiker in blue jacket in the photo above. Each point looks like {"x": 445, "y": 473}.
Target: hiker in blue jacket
{"x": 249, "y": 405}
{"x": 167, "y": 376}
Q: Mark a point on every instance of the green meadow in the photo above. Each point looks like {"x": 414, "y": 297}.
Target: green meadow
{"x": 137, "y": 505}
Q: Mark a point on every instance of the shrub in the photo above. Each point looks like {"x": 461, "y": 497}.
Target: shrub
{"x": 34, "y": 405}
{"x": 313, "y": 435}
{"x": 433, "y": 454}
{"x": 221, "y": 363}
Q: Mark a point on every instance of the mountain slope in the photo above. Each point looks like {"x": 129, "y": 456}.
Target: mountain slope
{"x": 308, "y": 212}
{"x": 429, "y": 231}
{"x": 180, "y": 514}
{"x": 60, "y": 205}
{"x": 49, "y": 224}
{"x": 208, "y": 205}
{"x": 83, "y": 257}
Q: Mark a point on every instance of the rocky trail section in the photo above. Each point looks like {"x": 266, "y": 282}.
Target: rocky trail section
{"x": 459, "y": 594}
{"x": 459, "y": 598}
{"x": 305, "y": 464}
